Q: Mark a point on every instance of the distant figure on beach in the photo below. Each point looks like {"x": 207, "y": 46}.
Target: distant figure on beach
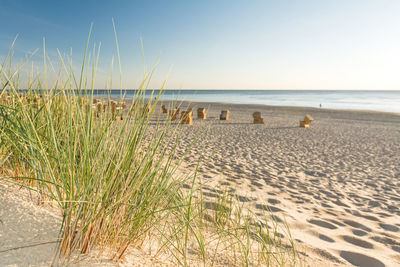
{"x": 320, "y": 105}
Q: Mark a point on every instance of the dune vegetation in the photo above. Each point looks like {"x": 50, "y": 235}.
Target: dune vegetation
{"x": 120, "y": 183}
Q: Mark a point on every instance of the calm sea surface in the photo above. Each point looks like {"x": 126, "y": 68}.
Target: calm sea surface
{"x": 356, "y": 100}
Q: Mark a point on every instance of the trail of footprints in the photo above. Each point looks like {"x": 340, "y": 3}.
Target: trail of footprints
{"x": 359, "y": 183}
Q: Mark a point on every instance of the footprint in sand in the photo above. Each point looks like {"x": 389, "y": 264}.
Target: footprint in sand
{"x": 326, "y": 238}
{"x": 326, "y": 205}
{"x": 358, "y": 242}
{"x": 386, "y": 240}
{"x": 358, "y": 232}
{"x": 327, "y": 255}
{"x": 373, "y": 203}
{"x": 257, "y": 184}
{"x": 209, "y": 194}
{"x": 336, "y": 222}
{"x": 322, "y": 224}
{"x": 357, "y": 225}
{"x": 389, "y": 227}
{"x": 215, "y": 206}
{"x": 232, "y": 180}
{"x": 273, "y": 201}
{"x": 267, "y": 208}
{"x": 271, "y": 217}
{"x": 340, "y": 203}
{"x": 359, "y": 259}
{"x": 358, "y": 214}
{"x": 383, "y": 214}
{"x": 242, "y": 198}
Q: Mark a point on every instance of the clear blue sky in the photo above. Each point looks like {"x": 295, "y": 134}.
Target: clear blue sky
{"x": 210, "y": 44}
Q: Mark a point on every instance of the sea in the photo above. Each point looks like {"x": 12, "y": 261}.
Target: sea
{"x": 378, "y": 100}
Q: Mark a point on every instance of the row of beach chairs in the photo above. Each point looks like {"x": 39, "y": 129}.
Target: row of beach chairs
{"x": 186, "y": 117}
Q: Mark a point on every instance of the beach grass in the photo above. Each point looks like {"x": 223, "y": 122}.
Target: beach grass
{"x": 119, "y": 183}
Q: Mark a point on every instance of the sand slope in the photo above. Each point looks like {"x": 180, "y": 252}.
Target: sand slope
{"x": 28, "y": 233}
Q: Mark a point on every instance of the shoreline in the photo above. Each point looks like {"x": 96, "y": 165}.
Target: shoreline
{"x": 252, "y": 104}
{"x": 289, "y": 107}
{"x": 280, "y": 106}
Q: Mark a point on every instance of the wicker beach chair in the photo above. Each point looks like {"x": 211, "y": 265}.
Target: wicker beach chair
{"x": 201, "y": 113}
{"x": 257, "y": 119}
{"x": 224, "y": 116}
{"x": 187, "y": 117}
{"x": 306, "y": 122}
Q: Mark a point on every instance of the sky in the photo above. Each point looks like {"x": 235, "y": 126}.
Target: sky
{"x": 216, "y": 44}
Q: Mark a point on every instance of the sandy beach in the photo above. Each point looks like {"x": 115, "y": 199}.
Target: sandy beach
{"x": 200, "y": 133}
{"x": 336, "y": 184}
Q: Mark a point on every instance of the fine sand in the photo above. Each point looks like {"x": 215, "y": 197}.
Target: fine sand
{"x": 29, "y": 235}
{"x": 336, "y": 184}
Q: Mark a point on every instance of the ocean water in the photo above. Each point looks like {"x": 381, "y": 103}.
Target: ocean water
{"x": 338, "y": 99}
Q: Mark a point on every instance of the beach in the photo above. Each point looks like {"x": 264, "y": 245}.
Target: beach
{"x": 335, "y": 184}
{"x": 200, "y": 133}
